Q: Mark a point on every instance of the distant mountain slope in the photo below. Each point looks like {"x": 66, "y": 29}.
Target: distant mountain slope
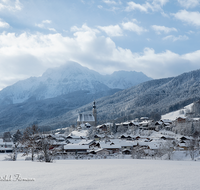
{"x": 160, "y": 96}
{"x": 58, "y": 91}
{"x": 66, "y": 79}
{"x": 124, "y": 79}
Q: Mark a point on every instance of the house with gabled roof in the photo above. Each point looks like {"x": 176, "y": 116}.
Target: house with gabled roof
{"x": 6, "y": 147}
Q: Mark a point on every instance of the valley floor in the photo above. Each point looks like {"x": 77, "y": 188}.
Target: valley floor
{"x": 112, "y": 174}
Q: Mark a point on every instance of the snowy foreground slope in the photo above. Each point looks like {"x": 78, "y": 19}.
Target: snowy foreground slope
{"x": 101, "y": 174}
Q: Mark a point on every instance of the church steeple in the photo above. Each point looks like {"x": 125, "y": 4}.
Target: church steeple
{"x": 94, "y": 111}
{"x": 94, "y": 106}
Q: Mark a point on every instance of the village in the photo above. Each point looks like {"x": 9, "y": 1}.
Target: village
{"x": 141, "y": 138}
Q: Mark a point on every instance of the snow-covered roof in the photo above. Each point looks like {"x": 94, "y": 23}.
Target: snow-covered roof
{"x": 100, "y": 136}
{"x": 145, "y": 122}
{"x": 109, "y": 145}
{"x": 75, "y": 147}
{"x": 142, "y": 118}
{"x": 126, "y": 123}
{"x": 195, "y": 119}
{"x": 99, "y": 126}
{"x": 81, "y": 141}
{"x": 85, "y": 142}
{"x": 74, "y": 137}
{"x": 166, "y": 120}
{"x": 126, "y": 143}
{"x": 154, "y": 145}
{"x": 101, "y": 149}
{"x": 82, "y": 133}
{"x": 59, "y": 143}
{"x": 135, "y": 122}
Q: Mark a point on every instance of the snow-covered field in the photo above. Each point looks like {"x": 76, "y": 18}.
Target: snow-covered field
{"x": 102, "y": 174}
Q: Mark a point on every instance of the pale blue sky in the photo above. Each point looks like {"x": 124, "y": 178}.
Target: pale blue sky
{"x": 160, "y": 38}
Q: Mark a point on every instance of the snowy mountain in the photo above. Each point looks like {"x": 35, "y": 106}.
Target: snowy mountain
{"x": 124, "y": 79}
{"x": 66, "y": 79}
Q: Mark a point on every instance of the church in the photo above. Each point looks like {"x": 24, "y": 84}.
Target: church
{"x": 88, "y": 118}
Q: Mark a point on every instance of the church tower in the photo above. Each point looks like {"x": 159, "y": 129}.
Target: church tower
{"x": 94, "y": 112}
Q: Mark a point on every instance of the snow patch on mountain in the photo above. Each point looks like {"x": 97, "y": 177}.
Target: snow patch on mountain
{"x": 179, "y": 113}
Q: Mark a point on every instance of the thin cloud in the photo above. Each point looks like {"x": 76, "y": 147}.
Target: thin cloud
{"x": 159, "y": 29}
{"x": 43, "y": 23}
{"x": 4, "y": 24}
{"x": 100, "y": 6}
{"x": 134, "y": 6}
{"x": 174, "y": 38}
{"x": 112, "y": 30}
{"x": 192, "y": 18}
{"x": 10, "y": 5}
{"x": 46, "y": 21}
{"x": 152, "y": 5}
{"x": 132, "y": 26}
{"x": 110, "y": 2}
{"x": 189, "y": 3}
{"x": 52, "y": 29}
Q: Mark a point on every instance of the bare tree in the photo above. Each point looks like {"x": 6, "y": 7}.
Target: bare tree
{"x": 16, "y": 140}
{"x": 192, "y": 148}
{"x": 30, "y": 139}
{"x": 138, "y": 152}
{"x": 46, "y": 149}
{"x": 168, "y": 148}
